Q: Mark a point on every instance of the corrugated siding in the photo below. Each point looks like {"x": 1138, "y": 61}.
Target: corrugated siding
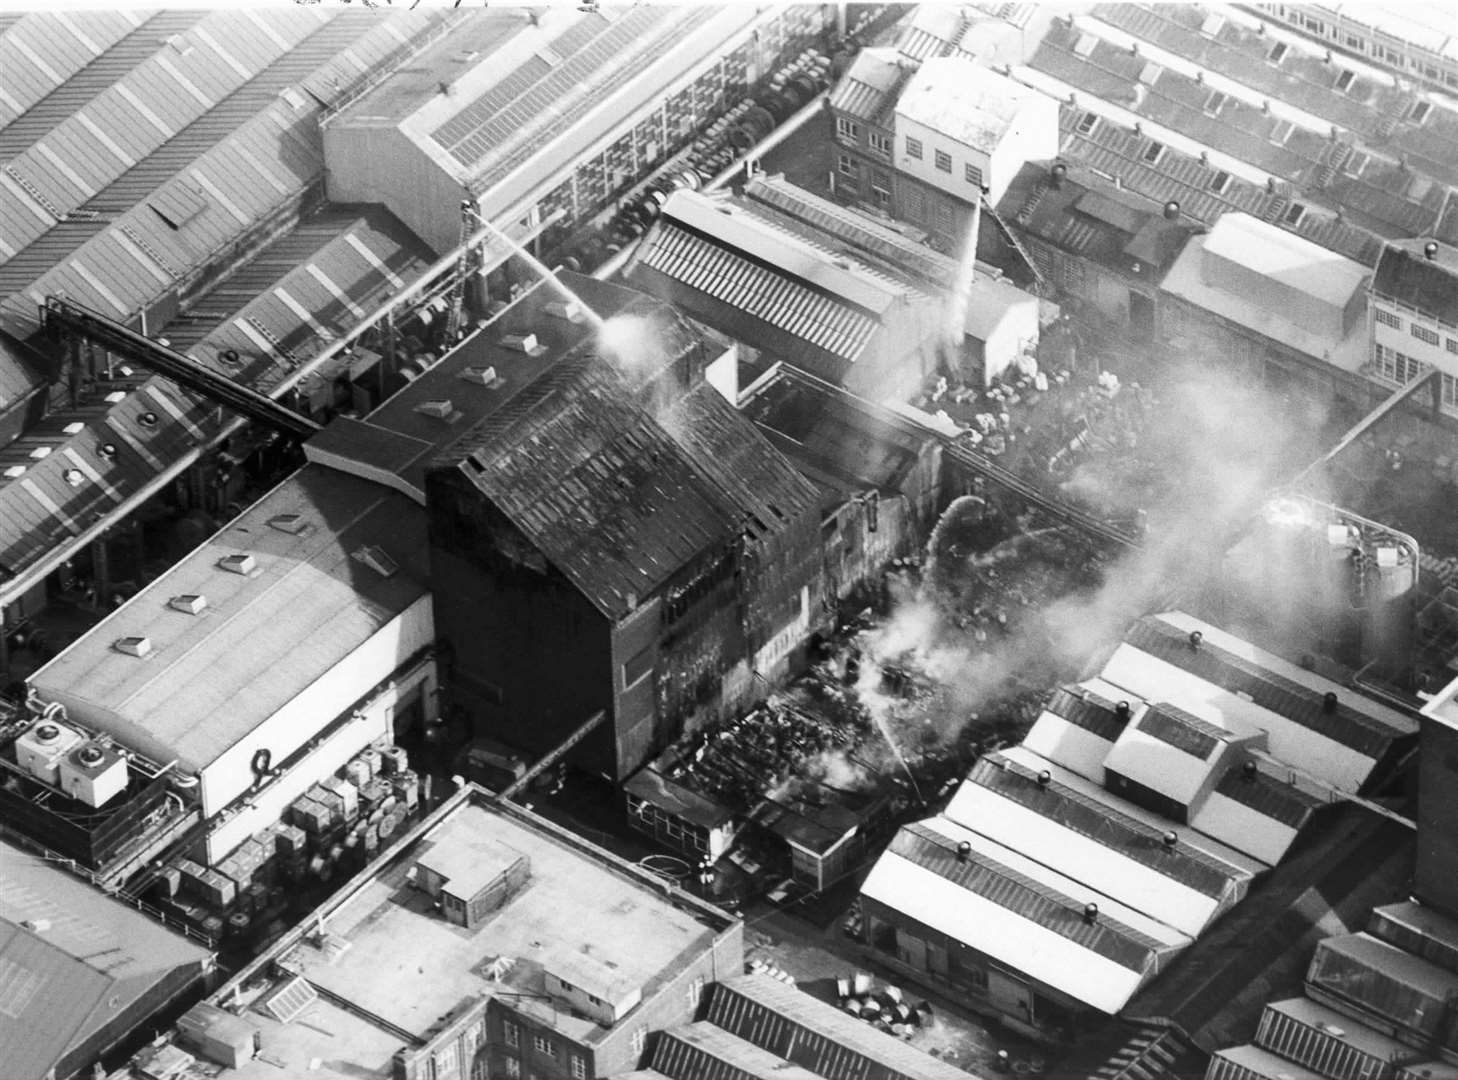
{"x": 758, "y": 291}
{"x": 46, "y": 36}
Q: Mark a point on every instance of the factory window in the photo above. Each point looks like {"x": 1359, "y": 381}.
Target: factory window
{"x": 512, "y": 1033}
{"x": 579, "y": 1067}
{"x": 1453, "y": 345}
{"x": 846, "y": 130}
{"x": 1422, "y": 333}
{"x": 973, "y": 175}
{"x": 944, "y": 161}
{"x": 543, "y": 1045}
{"x": 637, "y": 666}
{"x": 1450, "y": 391}
{"x": 943, "y": 218}
{"x": 1395, "y": 366}
{"x": 1086, "y": 123}
{"x": 879, "y": 143}
{"x": 1388, "y": 318}
{"x": 511, "y": 1068}
{"x": 913, "y": 148}
{"x": 846, "y": 165}
{"x": 915, "y": 204}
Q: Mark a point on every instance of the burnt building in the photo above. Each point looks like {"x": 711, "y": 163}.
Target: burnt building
{"x": 625, "y": 541}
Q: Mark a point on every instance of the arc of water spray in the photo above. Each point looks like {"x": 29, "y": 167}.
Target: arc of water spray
{"x": 541, "y": 271}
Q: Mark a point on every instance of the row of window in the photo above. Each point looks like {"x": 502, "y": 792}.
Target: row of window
{"x": 1395, "y": 366}
{"x": 576, "y": 1063}
{"x": 1419, "y": 331}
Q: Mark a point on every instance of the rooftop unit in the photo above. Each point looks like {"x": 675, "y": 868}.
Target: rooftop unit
{"x": 93, "y": 773}
{"x": 590, "y": 985}
{"x": 40, "y": 750}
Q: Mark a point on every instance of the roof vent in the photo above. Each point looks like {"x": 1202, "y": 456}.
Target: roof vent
{"x": 293, "y": 524}
{"x": 1249, "y": 769}
{"x": 241, "y": 563}
{"x": 375, "y": 557}
{"x": 964, "y": 849}
{"x": 1172, "y": 210}
{"x": 441, "y": 410}
{"x": 14, "y": 471}
{"x": 1329, "y": 703}
{"x": 76, "y": 427}
{"x": 1334, "y": 1031}
{"x": 73, "y": 477}
{"x": 481, "y": 376}
{"x": 526, "y": 343}
{"x": 132, "y": 646}
{"x": 1090, "y": 913}
{"x": 562, "y": 309}
{"x": 1171, "y": 839}
{"x": 40, "y": 452}
{"x": 1430, "y": 250}
{"x": 1195, "y": 638}
{"x": 107, "y": 450}
{"x": 188, "y": 603}
{"x": 1045, "y": 778}
{"x": 149, "y": 419}
{"x": 1121, "y": 710}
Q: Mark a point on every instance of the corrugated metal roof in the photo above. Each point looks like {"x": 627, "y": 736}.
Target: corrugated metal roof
{"x": 1182, "y": 730}
{"x": 1269, "y": 796}
{"x": 537, "y": 92}
{"x": 617, "y": 498}
{"x": 1102, "y": 823}
{"x": 1265, "y": 688}
{"x": 41, "y": 51}
{"x": 1085, "y": 709}
{"x": 701, "y": 1051}
{"x": 1428, "y": 285}
{"x": 61, "y": 984}
{"x": 758, "y": 290}
{"x": 1029, "y": 899}
{"x": 813, "y": 1035}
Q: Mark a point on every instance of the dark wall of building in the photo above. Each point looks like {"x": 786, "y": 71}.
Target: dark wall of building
{"x": 529, "y": 658}
{"x": 1437, "y": 843}
{"x": 635, "y": 660}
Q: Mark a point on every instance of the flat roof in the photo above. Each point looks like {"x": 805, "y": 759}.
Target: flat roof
{"x": 1287, "y": 258}
{"x": 467, "y": 860}
{"x": 409, "y": 966}
{"x": 264, "y": 636}
{"x": 1186, "y": 279}
{"x": 965, "y": 101}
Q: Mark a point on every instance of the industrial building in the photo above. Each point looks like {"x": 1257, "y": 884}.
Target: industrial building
{"x": 1414, "y": 316}
{"x": 79, "y": 970}
{"x": 1415, "y": 39}
{"x": 1378, "y": 1001}
{"x": 208, "y": 224}
{"x": 788, "y": 298}
{"x": 488, "y": 942}
{"x": 1071, "y": 871}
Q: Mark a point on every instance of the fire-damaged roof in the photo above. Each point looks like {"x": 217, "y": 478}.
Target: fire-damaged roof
{"x": 619, "y": 494}
{"x": 1405, "y": 274}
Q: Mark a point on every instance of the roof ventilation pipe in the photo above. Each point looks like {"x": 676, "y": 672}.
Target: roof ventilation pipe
{"x": 1122, "y": 710}
{"x": 1171, "y": 839}
{"x": 1329, "y": 703}
{"x": 1045, "y": 778}
{"x": 1172, "y": 210}
{"x": 964, "y": 849}
{"x": 1430, "y": 250}
{"x": 1057, "y": 174}
{"x": 1090, "y": 913}
{"x": 1195, "y": 638}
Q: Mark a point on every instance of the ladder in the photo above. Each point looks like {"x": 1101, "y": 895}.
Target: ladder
{"x": 458, "y": 280}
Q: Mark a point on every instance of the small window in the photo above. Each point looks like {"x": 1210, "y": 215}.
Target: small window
{"x": 512, "y": 1033}
{"x": 846, "y": 165}
{"x": 1422, "y": 333}
{"x": 1215, "y": 103}
{"x": 973, "y": 175}
{"x": 1086, "y": 123}
{"x": 1344, "y": 80}
{"x": 579, "y": 1067}
{"x": 1293, "y": 214}
{"x": 545, "y": 1046}
{"x": 944, "y": 161}
{"x": 847, "y": 130}
{"x": 915, "y": 203}
{"x": 1278, "y": 52}
{"x": 1452, "y": 345}
{"x": 879, "y": 143}
{"x": 913, "y": 148}
{"x": 1220, "y": 182}
{"x": 1153, "y": 152}
{"x": 1387, "y": 318}
{"x": 639, "y": 665}
{"x": 511, "y": 1067}
{"x": 1420, "y": 111}
{"x": 943, "y": 218}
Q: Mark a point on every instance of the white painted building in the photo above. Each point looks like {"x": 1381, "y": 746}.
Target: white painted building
{"x": 961, "y": 127}
{"x": 1414, "y": 314}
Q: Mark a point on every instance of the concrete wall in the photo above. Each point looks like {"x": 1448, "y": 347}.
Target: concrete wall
{"x": 336, "y": 690}
{"x": 1032, "y": 137}
{"x": 1437, "y": 846}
